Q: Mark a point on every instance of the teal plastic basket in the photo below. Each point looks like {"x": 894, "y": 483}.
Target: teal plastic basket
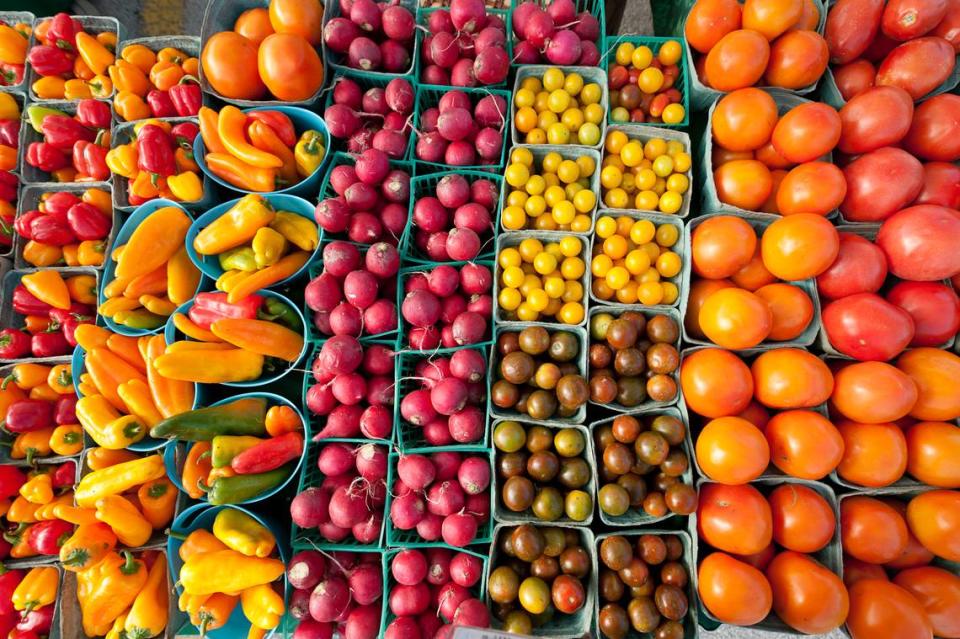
{"x": 596, "y": 8}
{"x": 429, "y": 96}
{"x": 425, "y": 186}
{"x": 424, "y": 12}
{"x": 682, "y": 83}
{"x": 397, "y": 538}
{"x": 408, "y": 437}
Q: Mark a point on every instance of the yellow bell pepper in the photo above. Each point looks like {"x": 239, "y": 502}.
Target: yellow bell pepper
{"x": 171, "y": 397}
{"x": 183, "y": 277}
{"x": 37, "y": 589}
{"x": 107, "y": 589}
{"x": 262, "y": 606}
{"x": 126, "y": 521}
{"x": 309, "y": 152}
{"x": 234, "y": 365}
{"x": 186, "y": 186}
{"x": 101, "y": 86}
{"x": 140, "y": 56}
{"x": 67, "y": 440}
{"x": 117, "y": 479}
{"x": 264, "y": 278}
{"x": 136, "y": 396}
{"x": 48, "y": 286}
{"x": 91, "y": 253}
{"x": 154, "y": 242}
{"x": 96, "y": 56}
{"x": 22, "y": 511}
{"x": 269, "y": 339}
{"x": 38, "y": 489}
{"x": 13, "y": 50}
{"x": 148, "y": 615}
{"x": 31, "y": 445}
{"x": 268, "y": 247}
{"x": 204, "y": 574}
{"x": 87, "y": 546}
{"x": 241, "y": 532}
{"x": 235, "y": 227}
{"x": 231, "y": 127}
{"x": 26, "y": 376}
{"x": 122, "y": 160}
{"x": 60, "y": 379}
{"x": 106, "y": 426}
{"x": 298, "y": 230}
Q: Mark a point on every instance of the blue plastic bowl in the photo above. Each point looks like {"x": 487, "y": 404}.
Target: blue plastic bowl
{"x": 170, "y": 335}
{"x": 170, "y": 453}
{"x": 202, "y": 516}
{"x": 303, "y": 120}
{"x": 141, "y": 213}
{"x": 209, "y": 265}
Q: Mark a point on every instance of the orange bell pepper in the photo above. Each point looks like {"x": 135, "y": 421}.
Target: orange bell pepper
{"x": 196, "y": 469}
{"x": 23, "y": 377}
{"x": 49, "y": 87}
{"x": 282, "y": 419}
{"x": 139, "y": 56}
{"x": 76, "y": 89}
{"x": 83, "y": 288}
{"x": 71, "y": 254}
{"x": 99, "y": 199}
{"x": 264, "y": 138}
{"x": 109, "y": 40}
{"x": 171, "y": 54}
{"x": 49, "y": 287}
{"x": 44, "y": 392}
{"x": 158, "y": 499}
{"x": 130, "y": 106}
{"x": 91, "y": 253}
{"x": 165, "y": 74}
{"x": 40, "y": 254}
{"x": 67, "y": 439}
{"x": 231, "y": 126}
{"x": 13, "y": 46}
{"x": 34, "y": 324}
{"x": 81, "y": 70}
{"x": 208, "y": 119}
{"x": 60, "y": 379}
{"x": 8, "y": 158}
{"x": 191, "y": 66}
{"x": 184, "y": 161}
{"x": 239, "y": 173}
{"x": 147, "y": 185}
{"x": 101, "y": 86}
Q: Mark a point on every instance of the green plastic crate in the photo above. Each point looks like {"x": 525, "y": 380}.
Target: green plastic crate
{"x": 336, "y": 61}
{"x": 596, "y": 8}
{"x": 422, "y": 15}
{"x": 682, "y": 83}
{"x": 365, "y": 81}
{"x": 396, "y": 538}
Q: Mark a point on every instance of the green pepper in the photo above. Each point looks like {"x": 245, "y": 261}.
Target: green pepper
{"x": 226, "y": 447}
{"x": 239, "y": 488}
{"x": 275, "y": 310}
{"x": 241, "y": 258}
{"x": 240, "y": 417}
{"x": 140, "y": 318}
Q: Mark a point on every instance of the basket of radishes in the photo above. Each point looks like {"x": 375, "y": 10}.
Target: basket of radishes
{"x": 350, "y": 391}
{"x": 363, "y": 113}
{"x": 365, "y": 198}
{"x": 341, "y": 495}
{"x": 558, "y": 32}
{"x": 335, "y": 594}
{"x": 433, "y": 588}
{"x": 453, "y": 216}
{"x": 370, "y": 38}
{"x": 439, "y": 497}
{"x": 464, "y": 128}
{"x": 442, "y": 400}
{"x": 466, "y": 45}
{"x": 353, "y": 291}
{"x": 446, "y": 307}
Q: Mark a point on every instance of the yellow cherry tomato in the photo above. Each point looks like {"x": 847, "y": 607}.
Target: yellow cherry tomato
{"x": 668, "y": 264}
{"x": 673, "y": 113}
{"x": 615, "y": 141}
{"x": 509, "y": 299}
{"x": 553, "y": 79}
{"x": 642, "y": 57}
{"x": 624, "y": 54}
{"x": 509, "y": 257}
{"x": 521, "y": 155}
{"x": 670, "y": 52}
{"x": 571, "y": 313}
{"x": 667, "y": 235}
{"x": 517, "y": 175}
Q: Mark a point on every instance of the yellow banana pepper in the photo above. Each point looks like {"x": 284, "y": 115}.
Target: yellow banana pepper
{"x": 117, "y": 479}
{"x": 158, "y": 305}
{"x": 231, "y": 127}
{"x": 75, "y": 515}
{"x": 107, "y": 589}
{"x": 96, "y": 56}
{"x": 262, "y": 606}
{"x": 185, "y": 325}
{"x": 106, "y": 426}
{"x": 235, "y": 227}
{"x": 269, "y": 339}
{"x": 204, "y": 574}
{"x": 298, "y": 230}
{"x": 229, "y": 279}
{"x": 117, "y": 305}
{"x": 148, "y": 615}
{"x": 126, "y": 521}
{"x": 90, "y": 336}
{"x": 154, "y": 242}
{"x": 235, "y": 365}
{"x": 264, "y": 278}
{"x": 136, "y": 395}
{"x": 47, "y": 512}
{"x": 241, "y": 532}
{"x": 37, "y": 589}
{"x": 182, "y": 277}
{"x": 116, "y": 630}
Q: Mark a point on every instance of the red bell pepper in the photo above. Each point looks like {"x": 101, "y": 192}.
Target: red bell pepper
{"x": 23, "y": 634}
{"x": 279, "y": 122}
{"x": 6, "y": 229}
{"x": 65, "y": 410}
{"x": 133, "y": 198}
{"x": 25, "y": 303}
{"x": 28, "y": 415}
{"x": 63, "y": 131}
{"x": 184, "y": 134}
{"x": 9, "y": 580}
{"x": 11, "y": 73}
{"x": 87, "y": 222}
{"x": 8, "y": 186}
{"x": 186, "y": 97}
{"x": 10, "y": 132}
{"x": 63, "y": 31}
{"x": 209, "y": 307}
{"x": 65, "y": 474}
{"x": 161, "y": 106}
{"x": 11, "y": 479}
{"x": 14, "y": 344}
{"x": 68, "y": 323}
{"x": 46, "y": 157}
{"x": 49, "y": 344}
{"x": 93, "y": 113}
{"x": 49, "y": 230}
{"x": 47, "y": 60}
{"x": 57, "y": 204}
{"x": 37, "y": 621}
{"x": 268, "y": 455}
{"x": 47, "y": 536}
{"x": 5, "y": 547}
{"x": 155, "y": 147}
{"x": 90, "y": 159}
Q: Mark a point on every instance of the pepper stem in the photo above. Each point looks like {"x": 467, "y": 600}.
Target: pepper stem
{"x": 130, "y": 565}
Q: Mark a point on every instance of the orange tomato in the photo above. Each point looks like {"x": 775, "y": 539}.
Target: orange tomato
{"x": 734, "y": 519}
{"x": 797, "y": 60}
{"x": 771, "y": 17}
{"x": 934, "y": 517}
{"x": 700, "y": 290}
{"x": 737, "y": 60}
{"x": 756, "y": 415}
{"x": 734, "y": 592}
{"x": 710, "y": 20}
{"x": 935, "y": 373}
{"x": 791, "y": 307}
{"x": 938, "y": 591}
{"x": 812, "y": 187}
{"x": 855, "y": 570}
{"x": 807, "y": 596}
{"x": 871, "y": 530}
{"x": 290, "y": 67}
{"x": 807, "y": 132}
{"x": 298, "y": 17}
{"x": 721, "y": 245}
{"x": 734, "y": 318}
{"x": 743, "y": 183}
{"x": 804, "y": 444}
{"x": 809, "y": 18}
{"x": 744, "y": 120}
{"x": 873, "y": 392}
{"x": 254, "y": 24}
{"x": 933, "y": 449}
{"x": 914, "y": 554}
{"x": 731, "y": 450}
{"x": 770, "y": 204}
{"x": 883, "y": 610}
{"x": 874, "y": 455}
{"x": 759, "y": 560}
{"x": 802, "y": 519}
{"x": 715, "y": 382}
{"x": 720, "y": 155}
{"x": 227, "y": 62}
{"x": 791, "y": 378}
{"x": 800, "y": 246}
{"x": 772, "y": 158}
{"x": 753, "y": 275}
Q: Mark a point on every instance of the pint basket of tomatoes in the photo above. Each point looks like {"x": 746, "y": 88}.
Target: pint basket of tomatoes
{"x": 648, "y": 80}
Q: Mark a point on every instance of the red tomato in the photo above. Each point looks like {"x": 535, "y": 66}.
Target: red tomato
{"x": 860, "y": 267}
{"x": 880, "y": 48}
{"x": 933, "y": 449}
{"x": 882, "y": 610}
{"x": 941, "y": 185}
{"x": 909, "y": 19}
{"x": 934, "y": 307}
{"x": 935, "y": 373}
{"x": 734, "y": 519}
{"x": 812, "y": 187}
{"x": 807, "y": 596}
{"x": 867, "y": 327}
{"x": 880, "y": 116}
{"x": 871, "y": 530}
{"x": 920, "y": 243}
{"x": 949, "y": 27}
{"x": 873, "y": 392}
{"x": 934, "y": 517}
{"x": 759, "y": 560}
{"x": 802, "y": 519}
{"x": 855, "y": 570}
{"x": 807, "y": 132}
{"x": 918, "y": 66}
{"x": 854, "y": 78}
{"x": 935, "y": 131}
{"x": 733, "y": 591}
{"x": 879, "y": 184}
{"x": 851, "y": 26}
{"x": 938, "y": 591}
{"x": 874, "y": 455}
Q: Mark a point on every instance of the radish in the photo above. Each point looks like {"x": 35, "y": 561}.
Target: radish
{"x": 562, "y": 11}
{"x": 378, "y": 359}
{"x": 490, "y": 111}
{"x": 420, "y": 308}
{"x": 468, "y": 365}
{"x": 466, "y": 426}
{"x": 394, "y": 56}
{"x": 348, "y": 506}
{"x": 333, "y": 214}
{"x": 469, "y": 328}
{"x": 380, "y": 317}
{"x": 306, "y": 569}
{"x": 300, "y": 604}
{"x": 309, "y": 508}
{"x": 589, "y": 54}
{"x": 366, "y": 583}
{"x": 404, "y": 628}
{"x": 472, "y": 612}
{"x": 362, "y": 623}
{"x": 341, "y": 177}
{"x": 450, "y": 596}
{"x": 489, "y": 143}
{"x": 462, "y": 74}
{"x": 563, "y": 47}
{"x": 489, "y": 37}
{"x": 474, "y": 475}
{"x": 368, "y": 530}
{"x": 443, "y": 280}
{"x": 341, "y": 354}
{"x": 416, "y": 471}
{"x": 365, "y": 14}
{"x": 409, "y": 600}
{"x": 493, "y": 64}
{"x": 475, "y": 279}
{"x": 343, "y": 421}
{"x": 438, "y": 21}
{"x": 429, "y": 527}
{"x": 323, "y": 293}
{"x": 346, "y": 91}
{"x": 335, "y": 459}
{"x": 313, "y": 629}
{"x": 449, "y": 396}
{"x": 587, "y": 26}
{"x": 445, "y": 498}
{"x": 383, "y": 260}
{"x": 444, "y": 51}
{"x": 454, "y": 100}
{"x": 372, "y": 166}
{"x": 446, "y": 464}
{"x": 539, "y": 29}
{"x": 406, "y": 511}
{"x": 459, "y": 529}
{"x": 468, "y": 15}
{"x": 397, "y": 23}
{"x": 339, "y": 33}
{"x": 465, "y": 569}
{"x": 525, "y": 52}
{"x": 479, "y": 507}
{"x": 453, "y": 190}
{"x": 346, "y": 319}
{"x": 455, "y": 124}
{"x": 360, "y": 288}
{"x": 428, "y": 119}
{"x": 329, "y": 599}
{"x": 394, "y": 219}
{"x": 424, "y": 339}
{"x": 521, "y": 15}
{"x": 436, "y": 432}
{"x": 376, "y": 423}
{"x": 430, "y": 215}
{"x": 429, "y": 624}
{"x": 416, "y": 407}
{"x": 320, "y": 400}
{"x": 409, "y": 567}
{"x": 460, "y": 153}
{"x": 450, "y": 307}
{"x": 364, "y": 54}
{"x": 375, "y": 101}
{"x": 372, "y": 461}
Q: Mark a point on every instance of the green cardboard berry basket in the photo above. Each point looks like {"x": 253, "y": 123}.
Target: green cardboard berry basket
{"x": 595, "y": 75}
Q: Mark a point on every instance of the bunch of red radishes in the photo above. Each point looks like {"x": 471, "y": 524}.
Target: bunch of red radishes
{"x": 432, "y": 593}
{"x": 354, "y": 390}
{"x": 449, "y": 404}
{"x": 456, "y": 219}
{"x": 363, "y": 24}
{"x": 355, "y": 294}
{"x": 556, "y": 33}
{"x": 336, "y": 592}
{"x": 465, "y": 47}
{"x": 460, "y": 131}
{"x": 447, "y": 306}
{"x": 444, "y": 495}
{"x": 372, "y": 200}
{"x": 377, "y": 118}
